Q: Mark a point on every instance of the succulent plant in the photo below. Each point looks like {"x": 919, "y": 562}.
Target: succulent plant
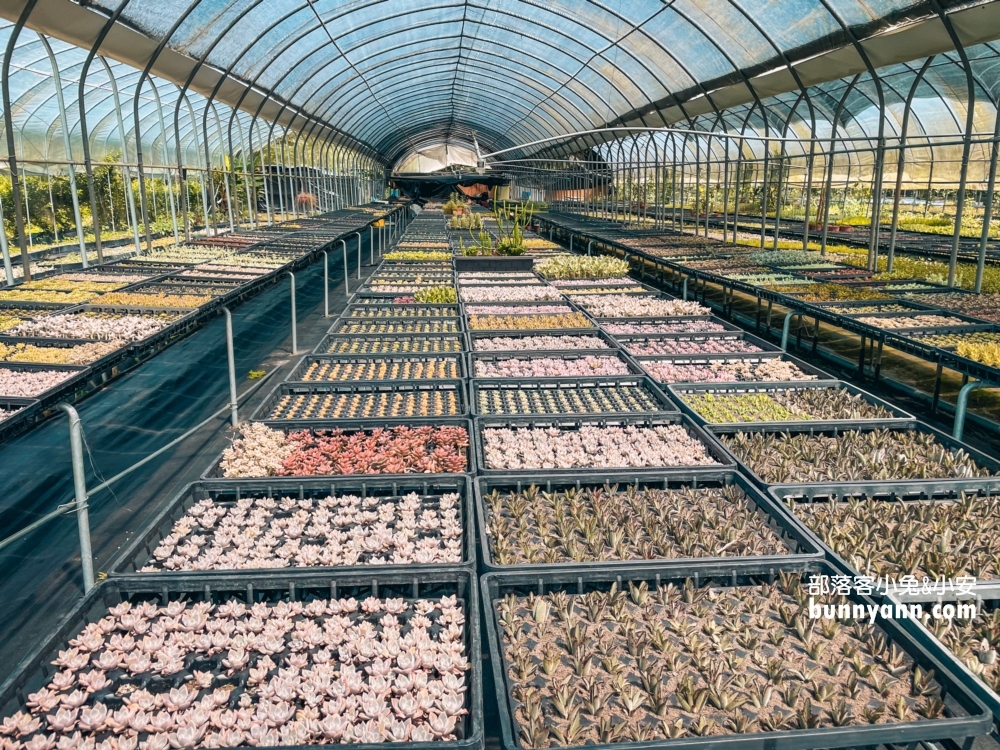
{"x": 786, "y": 405}
{"x": 588, "y": 524}
{"x": 444, "y": 344}
{"x": 260, "y": 451}
{"x": 436, "y": 368}
{"x": 62, "y": 284}
{"x": 520, "y": 309}
{"x": 30, "y": 383}
{"x": 578, "y": 399}
{"x": 369, "y": 405}
{"x": 974, "y": 642}
{"x": 84, "y": 354}
{"x": 550, "y": 367}
{"x": 427, "y": 325}
{"x": 40, "y": 295}
{"x": 437, "y": 295}
{"x": 400, "y": 310}
{"x": 850, "y": 455}
{"x": 988, "y": 354}
{"x": 537, "y": 343}
{"x": 668, "y": 326}
{"x": 941, "y": 540}
{"x": 7, "y": 413}
{"x": 528, "y": 322}
{"x": 916, "y": 321}
{"x": 953, "y": 340}
{"x": 510, "y": 293}
{"x": 728, "y": 344}
{"x": 130, "y": 299}
{"x": 719, "y": 371}
{"x": 637, "y": 306}
{"x": 193, "y": 675}
{"x": 643, "y": 663}
{"x": 417, "y": 255}
{"x": 591, "y": 447}
{"x": 982, "y": 306}
{"x": 618, "y": 283}
{"x": 785, "y": 257}
{"x": 94, "y": 325}
{"x": 582, "y": 267}
{"x": 830, "y": 292}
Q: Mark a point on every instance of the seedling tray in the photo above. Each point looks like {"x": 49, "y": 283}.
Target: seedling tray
{"x": 26, "y": 407}
{"x": 930, "y": 487}
{"x": 725, "y": 464}
{"x": 405, "y": 326}
{"x": 480, "y": 386}
{"x": 298, "y": 375}
{"x": 573, "y": 354}
{"x": 594, "y": 332}
{"x": 395, "y": 344}
{"x": 405, "y": 310}
{"x": 801, "y": 545}
{"x": 628, "y": 342}
{"x": 139, "y": 552}
{"x": 975, "y": 721}
{"x": 296, "y": 415}
{"x": 678, "y": 391}
{"x": 757, "y": 357}
{"x": 36, "y": 670}
{"x": 671, "y": 320}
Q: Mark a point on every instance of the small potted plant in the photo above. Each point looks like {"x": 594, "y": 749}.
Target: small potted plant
{"x": 505, "y": 252}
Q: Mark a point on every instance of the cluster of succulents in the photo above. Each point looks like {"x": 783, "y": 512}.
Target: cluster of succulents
{"x": 436, "y": 295}
{"x": 620, "y": 282}
{"x": 446, "y": 344}
{"x": 941, "y": 540}
{"x": 400, "y": 310}
{"x": 592, "y": 447}
{"x": 785, "y": 405}
{"x": 637, "y": 306}
{"x": 83, "y": 354}
{"x": 41, "y": 295}
{"x": 233, "y": 267}
{"x": 578, "y": 399}
{"x": 496, "y": 276}
{"x": 907, "y": 286}
{"x": 260, "y": 451}
{"x": 438, "y": 402}
{"x": 519, "y": 309}
{"x": 679, "y": 325}
{"x": 538, "y": 343}
{"x": 417, "y": 255}
{"x": 404, "y": 288}
{"x": 850, "y": 455}
{"x": 830, "y": 292}
{"x": 185, "y": 255}
{"x": 953, "y": 340}
{"x": 426, "y": 325}
{"x": 582, "y": 267}
{"x": 272, "y": 673}
{"x": 268, "y": 532}
{"x": 94, "y": 325}
{"x": 974, "y": 642}
{"x": 30, "y": 383}
{"x": 987, "y": 354}
{"x": 528, "y": 322}
{"x": 510, "y": 293}
{"x": 982, "y": 306}
{"x": 891, "y": 323}
{"x": 131, "y": 299}
{"x": 785, "y": 257}
{"x": 596, "y": 523}
{"x": 713, "y": 371}
{"x": 432, "y": 368}
{"x": 769, "y": 279}
{"x": 852, "y": 310}
{"x": 13, "y": 317}
{"x": 61, "y": 284}
{"x": 197, "y": 273}
{"x": 641, "y": 663}
{"x": 6, "y": 413}
{"x": 120, "y": 279}
{"x": 551, "y": 367}
{"x": 587, "y": 291}
{"x": 669, "y": 345}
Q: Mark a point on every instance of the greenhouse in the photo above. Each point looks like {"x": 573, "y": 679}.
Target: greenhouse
{"x": 500, "y": 374}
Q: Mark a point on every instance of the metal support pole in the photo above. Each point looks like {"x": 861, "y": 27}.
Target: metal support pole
{"x": 347, "y": 276}
{"x": 358, "y": 235}
{"x": 786, "y": 329}
{"x": 295, "y": 331}
{"x": 80, "y": 491}
{"x": 371, "y": 245}
{"x": 684, "y": 291}
{"x": 962, "y": 405}
{"x": 234, "y": 416}
{"x": 326, "y": 285}
{"x": 589, "y": 245}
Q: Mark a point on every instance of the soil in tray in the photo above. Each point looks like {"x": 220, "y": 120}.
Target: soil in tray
{"x": 528, "y": 322}
{"x": 783, "y": 406}
{"x": 408, "y": 345}
{"x": 260, "y": 451}
{"x": 671, "y": 346}
{"x": 765, "y": 371}
{"x": 415, "y": 369}
{"x": 936, "y": 539}
{"x": 265, "y": 532}
{"x": 591, "y": 447}
{"x": 852, "y": 455}
{"x": 538, "y": 343}
{"x": 384, "y": 404}
{"x": 678, "y": 326}
{"x": 194, "y": 675}
{"x": 404, "y": 326}
{"x": 595, "y": 523}
{"x": 974, "y": 642}
{"x": 582, "y": 400}
{"x": 638, "y": 664}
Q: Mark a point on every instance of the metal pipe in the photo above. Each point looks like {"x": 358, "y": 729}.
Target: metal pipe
{"x": 358, "y": 235}
{"x": 5, "y": 249}
{"x": 371, "y": 244}
{"x": 295, "y": 331}
{"x": 326, "y": 284}
{"x": 231, "y": 357}
{"x": 962, "y": 405}
{"x": 347, "y": 276}
{"x": 80, "y": 491}
{"x": 786, "y": 328}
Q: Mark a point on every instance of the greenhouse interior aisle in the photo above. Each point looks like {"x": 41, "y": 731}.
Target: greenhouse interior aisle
{"x": 125, "y": 422}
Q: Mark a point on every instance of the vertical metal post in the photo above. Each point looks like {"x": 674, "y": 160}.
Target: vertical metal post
{"x": 358, "y": 235}
{"x": 371, "y": 244}
{"x": 988, "y": 207}
{"x": 961, "y": 406}
{"x": 295, "y": 328}
{"x": 234, "y": 417}
{"x": 80, "y": 492}
{"x": 5, "y": 248}
{"x": 326, "y": 285}
{"x": 347, "y": 276}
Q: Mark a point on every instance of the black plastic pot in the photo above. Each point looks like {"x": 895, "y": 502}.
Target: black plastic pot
{"x": 493, "y": 263}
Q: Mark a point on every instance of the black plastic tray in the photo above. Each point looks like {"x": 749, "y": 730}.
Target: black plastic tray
{"x": 674, "y": 319}
{"x": 680, "y": 473}
{"x": 35, "y": 671}
{"x": 475, "y": 357}
{"x": 764, "y": 346}
{"x": 595, "y": 332}
{"x": 701, "y": 359}
{"x": 978, "y": 720}
{"x": 401, "y": 310}
{"x": 296, "y": 375}
{"x": 929, "y": 486}
{"x": 332, "y": 339}
{"x": 477, "y": 385}
{"x": 677, "y": 390}
{"x": 803, "y": 545}
{"x": 339, "y": 326}
{"x": 139, "y": 551}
